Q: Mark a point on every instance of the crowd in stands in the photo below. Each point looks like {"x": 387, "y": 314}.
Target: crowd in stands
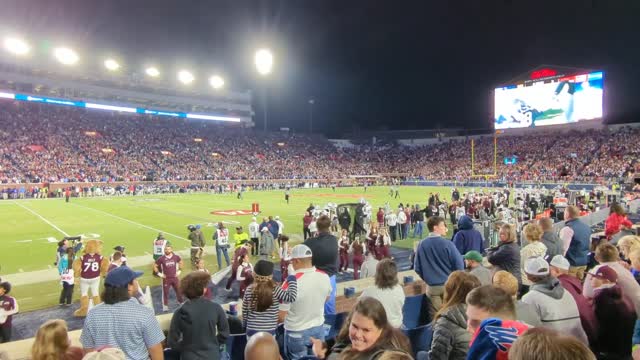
{"x": 44, "y": 143}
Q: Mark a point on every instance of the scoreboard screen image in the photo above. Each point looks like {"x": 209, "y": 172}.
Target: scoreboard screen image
{"x": 560, "y": 100}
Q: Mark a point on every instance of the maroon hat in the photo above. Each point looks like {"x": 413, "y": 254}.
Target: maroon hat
{"x": 606, "y": 273}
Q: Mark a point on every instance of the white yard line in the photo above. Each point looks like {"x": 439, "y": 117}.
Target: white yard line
{"x": 42, "y": 218}
{"x": 131, "y": 221}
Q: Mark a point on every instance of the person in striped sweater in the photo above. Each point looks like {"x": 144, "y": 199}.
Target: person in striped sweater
{"x": 262, "y": 298}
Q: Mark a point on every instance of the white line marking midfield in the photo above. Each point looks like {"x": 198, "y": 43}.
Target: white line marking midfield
{"x": 42, "y": 218}
{"x": 131, "y": 222}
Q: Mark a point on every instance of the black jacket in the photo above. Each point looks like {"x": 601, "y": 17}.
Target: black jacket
{"x": 325, "y": 252}
{"x": 198, "y": 328}
{"x": 506, "y": 256}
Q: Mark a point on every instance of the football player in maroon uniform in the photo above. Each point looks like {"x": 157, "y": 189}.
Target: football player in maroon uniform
{"x": 169, "y": 268}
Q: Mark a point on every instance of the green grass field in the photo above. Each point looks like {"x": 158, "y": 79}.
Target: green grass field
{"x": 29, "y": 229}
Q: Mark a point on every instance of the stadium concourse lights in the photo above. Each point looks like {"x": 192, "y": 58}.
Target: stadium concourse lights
{"x": 185, "y": 77}
{"x": 65, "y": 55}
{"x": 16, "y": 46}
{"x": 216, "y": 82}
{"x": 264, "y": 61}
{"x": 111, "y": 65}
{"x": 152, "y": 71}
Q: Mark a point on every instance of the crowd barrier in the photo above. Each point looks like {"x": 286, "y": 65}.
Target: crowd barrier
{"x": 21, "y": 350}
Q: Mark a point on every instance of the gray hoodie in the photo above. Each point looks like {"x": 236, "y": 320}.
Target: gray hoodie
{"x": 450, "y": 336}
{"x": 553, "y": 244}
{"x": 556, "y": 307}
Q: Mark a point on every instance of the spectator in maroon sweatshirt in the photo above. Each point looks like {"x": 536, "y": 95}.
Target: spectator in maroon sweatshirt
{"x": 560, "y": 270}
{"x": 615, "y": 313}
{"x": 380, "y": 217}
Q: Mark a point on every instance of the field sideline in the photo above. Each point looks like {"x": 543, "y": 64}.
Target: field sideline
{"x": 30, "y": 229}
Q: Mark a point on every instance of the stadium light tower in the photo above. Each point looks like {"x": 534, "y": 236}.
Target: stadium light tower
{"x": 185, "y": 77}
{"x": 216, "y": 82}
{"x": 111, "y": 65}
{"x": 152, "y": 71}
{"x": 16, "y": 46}
{"x": 263, "y": 60}
{"x": 66, "y": 56}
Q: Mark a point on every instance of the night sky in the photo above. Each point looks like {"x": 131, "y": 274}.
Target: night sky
{"x": 368, "y": 64}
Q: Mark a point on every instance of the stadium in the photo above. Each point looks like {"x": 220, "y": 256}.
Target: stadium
{"x": 153, "y": 210}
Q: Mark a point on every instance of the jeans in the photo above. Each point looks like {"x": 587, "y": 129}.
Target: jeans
{"x": 393, "y": 232}
{"x": 66, "y": 293}
{"x": 298, "y": 343}
{"x": 330, "y": 305}
{"x": 224, "y": 251}
{"x": 417, "y": 231}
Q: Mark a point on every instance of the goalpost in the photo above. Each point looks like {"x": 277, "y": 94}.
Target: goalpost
{"x": 486, "y": 176}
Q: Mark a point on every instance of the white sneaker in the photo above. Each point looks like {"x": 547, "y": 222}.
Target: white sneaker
{"x": 165, "y": 308}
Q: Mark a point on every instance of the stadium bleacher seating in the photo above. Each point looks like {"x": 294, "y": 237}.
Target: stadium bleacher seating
{"x": 43, "y": 143}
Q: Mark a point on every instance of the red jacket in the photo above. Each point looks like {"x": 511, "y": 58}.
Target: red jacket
{"x": 307, "y": 220}
{"x": 614, "y": 221}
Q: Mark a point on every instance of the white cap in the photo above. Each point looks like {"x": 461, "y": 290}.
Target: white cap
{"x": 560, "y": 262}
{"x": 253, "y": 218}
{"x": 277, "y": 217}
{"x": 536, "y": 266}
{"x": 301, "y": 251}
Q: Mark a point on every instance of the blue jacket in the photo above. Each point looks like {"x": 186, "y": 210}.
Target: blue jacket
{"x": 436, "y": 258}
{"x": 274, "y": 228}
{"x": 467, "y": 238}
{"x": 578, "y": 252}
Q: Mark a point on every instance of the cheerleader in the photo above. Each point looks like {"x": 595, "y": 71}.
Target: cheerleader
{"x": 343, "y": 249}
{"x": 382, "y": 244}
{"x": 371, "y": 241}
{"x": 244, "y": 274}
{"x": 358, "y": 257}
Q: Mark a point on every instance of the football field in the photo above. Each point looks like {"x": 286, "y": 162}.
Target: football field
{"x": 30, "y": 229}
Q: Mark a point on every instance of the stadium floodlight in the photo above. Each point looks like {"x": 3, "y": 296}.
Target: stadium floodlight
{"x": 216, "y": 82}
{"x": 185, "y": 77}
{"x": 16, "y": 46}
{"x": 264, "y": 61}
{"x": 152, "y": 71}
{"x": 111, "y": 65}
{"x": 66, "y": 56}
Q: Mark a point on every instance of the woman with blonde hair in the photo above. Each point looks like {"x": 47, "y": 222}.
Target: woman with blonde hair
{"x": 534, "y": 248}
{"x": 52, "y": 343}
{"x": 506, "y": 256}
{"x": 450, "y": 336}
{"x": 627, "y": 244}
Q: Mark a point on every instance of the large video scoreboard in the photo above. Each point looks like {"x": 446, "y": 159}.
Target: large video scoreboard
{"x": 549, "y": 98}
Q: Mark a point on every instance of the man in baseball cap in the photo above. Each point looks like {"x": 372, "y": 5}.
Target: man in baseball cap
{"x": 557, "y": 308}
{"x": 138, "y": 334}
{"x": 473, "y": 263}
{"x": 305, "y": 316}
{"x": 121, "y": 277}
{"x": 604, "y": 277}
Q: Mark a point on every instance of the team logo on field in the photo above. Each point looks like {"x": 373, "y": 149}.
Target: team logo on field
{"x": 232, "y": 212}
